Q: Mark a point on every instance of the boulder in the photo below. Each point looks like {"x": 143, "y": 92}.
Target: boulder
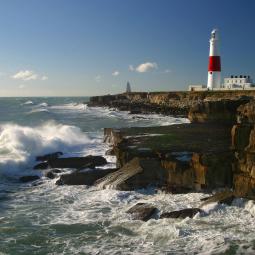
{"x": 29, "y": 178}
{"x": 224, "y": 197}
{"x": 182, "y": 214}
{"x": 87, "y": 177}
{"x": 136, "y": 174}
{"x": 49, "y": 156}
{"x": 52, "y": 173}
{"x": 73, "y": 162}
{"x": 41, "y": 166}
{"x": 142, "y": 211}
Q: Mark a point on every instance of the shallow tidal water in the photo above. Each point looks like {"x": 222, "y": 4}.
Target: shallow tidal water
{"x": 50, "y": 219}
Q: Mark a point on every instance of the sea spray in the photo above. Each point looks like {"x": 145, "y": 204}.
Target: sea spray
{"x": 19, "y": 145}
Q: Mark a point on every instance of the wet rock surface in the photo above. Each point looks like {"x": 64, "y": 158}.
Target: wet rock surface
{"x": 182, "y": 214}
{"x": 87, "y": 177}
{"x": 243, "y": 143}
{"x": 136, "y": 174}
{"x": 73, "y": 162}
{"x": 142, "y": 211}
{"x": 183, "y": 157}
{"x": 29, "y": 178}
{"x": 224, "y": 197}
{"x": 49, "y": 156}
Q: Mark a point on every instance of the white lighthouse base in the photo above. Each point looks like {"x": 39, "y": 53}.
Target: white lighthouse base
{"x": 213, "y": 80}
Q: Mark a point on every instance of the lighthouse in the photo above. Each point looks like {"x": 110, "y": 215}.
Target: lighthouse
{"x": 214, "y": 66}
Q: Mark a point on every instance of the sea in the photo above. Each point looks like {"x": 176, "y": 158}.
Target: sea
{"x": 43, "y": 218}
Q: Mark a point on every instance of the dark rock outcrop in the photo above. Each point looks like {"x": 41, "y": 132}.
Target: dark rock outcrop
{"x": 224, "y": 197}
{"x": 49, "y": 156}
{"x": 142, "y": 211}
{"x": 87, "y": 177}
{"x": 243, "y": 142}
{"x": 182, "y": 214}
{"x": 52, "y": 173}
{"x": 136, "y": 174}
{"x": 73, "y": 162}
{"x": 29, "y": 178}
{"x": 186, "y": 157}
{"x": 178, "y": 103}
{"x": 41, "y": 166}
{"x": 223, "y": 111}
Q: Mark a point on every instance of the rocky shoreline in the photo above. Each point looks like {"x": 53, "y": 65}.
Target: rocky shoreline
{"x": 215, "y": 151}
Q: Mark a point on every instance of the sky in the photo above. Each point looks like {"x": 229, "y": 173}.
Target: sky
{"x": 93, "y": 47}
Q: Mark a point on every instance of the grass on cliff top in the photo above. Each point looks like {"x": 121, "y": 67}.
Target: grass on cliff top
{"x": 185, "y": 137}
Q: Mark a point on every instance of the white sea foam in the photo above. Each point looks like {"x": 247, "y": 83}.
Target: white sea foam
{"x": 29, "y": 102}
{"x": 70, "y": 106}
{"x": 137, "y": 119}
{"x": 21, "y": 144}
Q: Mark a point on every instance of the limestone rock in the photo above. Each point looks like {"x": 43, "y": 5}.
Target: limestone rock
{"x": 184, "y": 213}
{"x": 142, "y": 211}
{"x": 136, "y": 174}
{"x": 49, "y": 156}
{"x": 87, "y": 177}
{"x": 224, "y": 197}
{"x": 29, "y": 178}
{"x": 73, "y": 162}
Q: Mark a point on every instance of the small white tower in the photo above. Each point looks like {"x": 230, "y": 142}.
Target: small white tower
{"x": 214, "y": 66}
{"x": 128, "y": 89}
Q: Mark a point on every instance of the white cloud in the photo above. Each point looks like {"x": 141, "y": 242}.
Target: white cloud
{"x": 115, "y": 73}
{"x": 144, "y": 67}
{"x": 44, "y": 78}
{"x": 167, "y": 71}
{"x": 98, "y": 78}
{"x": 26, "y": 75}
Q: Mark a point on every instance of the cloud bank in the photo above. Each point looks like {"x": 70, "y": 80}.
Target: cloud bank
{"x": 144, "y": 67}
{"x": 28, "y": 75}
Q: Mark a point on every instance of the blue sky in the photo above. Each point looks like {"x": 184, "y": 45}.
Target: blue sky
{"x": 93, "y": 47}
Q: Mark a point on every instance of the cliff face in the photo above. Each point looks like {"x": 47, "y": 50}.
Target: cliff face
{"x": 216, "y": 151}
{"x": 243, "y": 141}
{"x": 203, "y": 106}
{"x": 186, "y": 157}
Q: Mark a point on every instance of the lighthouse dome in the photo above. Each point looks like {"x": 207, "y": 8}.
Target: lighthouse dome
{"x": 215, "y": 34}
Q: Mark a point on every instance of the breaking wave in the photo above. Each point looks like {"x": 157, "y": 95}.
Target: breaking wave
{"x": 19, "y": 145}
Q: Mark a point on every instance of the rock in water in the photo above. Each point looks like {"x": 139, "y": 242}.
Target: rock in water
{"x": 137, "y": 173}
{"x": 182, "y": 214}
{"x": 29, "y": 178}
{"x": 49, "y": 156}
{"x": 73, "y": 162}
{"x": 224, "y": 197}
{"x": 142, "y": 211}
{"x": 83, "y": 178}
{"x": 43, "y": 165}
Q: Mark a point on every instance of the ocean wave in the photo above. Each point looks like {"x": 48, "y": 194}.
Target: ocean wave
{"x": 39, "y": 110}
{"x": 29, "y": 102}
{"x": 137, "y": 119}
{"x": 70, "y": 106}
{"x": 19, "y": 145}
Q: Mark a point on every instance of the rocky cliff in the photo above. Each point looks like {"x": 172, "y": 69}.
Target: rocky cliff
{"x": 198, "y": 106}
{"x": 217, "y": 150}
{"x": 183, "y": 157}
{"x": 243, "y": 142}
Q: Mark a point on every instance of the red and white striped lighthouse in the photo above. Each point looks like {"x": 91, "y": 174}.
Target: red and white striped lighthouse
{"x": 214, "y": 66}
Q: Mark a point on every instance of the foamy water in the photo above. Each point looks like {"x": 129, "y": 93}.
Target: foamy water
{"x": 50, "y": 219}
